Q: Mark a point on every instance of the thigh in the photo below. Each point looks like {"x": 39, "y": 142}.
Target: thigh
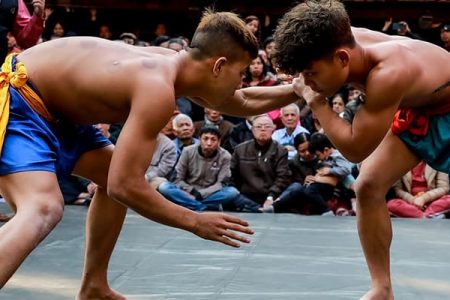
{"x": 94, "y": 165}
{"x": 388, "y": 163}
{"x": 30, "y": 189}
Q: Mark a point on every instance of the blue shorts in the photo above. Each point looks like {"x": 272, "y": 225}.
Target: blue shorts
{"x": 34, "y": 144}
{"x": 434, "y": 148}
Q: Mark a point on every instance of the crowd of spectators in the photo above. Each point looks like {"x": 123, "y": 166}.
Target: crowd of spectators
{"x": 277, "y": 162}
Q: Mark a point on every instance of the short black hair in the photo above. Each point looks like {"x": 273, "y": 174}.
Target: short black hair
{"x": 222, "y": 34}
{"x": 311, "y": 31}
{"x": 210, "y": 129}
{"x": 318, "y": 142}
{"x": 301, "y": 138}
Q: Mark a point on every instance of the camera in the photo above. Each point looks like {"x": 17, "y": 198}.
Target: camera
{"x": 399, "y": 26}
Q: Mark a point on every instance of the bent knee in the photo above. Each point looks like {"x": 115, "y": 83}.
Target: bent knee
{"x": 368, "y": 188}
{"x": 49, "y": 212}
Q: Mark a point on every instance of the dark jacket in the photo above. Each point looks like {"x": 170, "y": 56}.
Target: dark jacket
{"x": 258, "y": 172}
{"x": 301, "y": 168}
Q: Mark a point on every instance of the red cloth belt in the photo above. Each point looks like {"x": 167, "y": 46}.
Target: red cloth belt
{"x": 416, "y": 120}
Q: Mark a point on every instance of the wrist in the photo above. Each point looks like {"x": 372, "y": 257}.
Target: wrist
{"x": 192, "y": 222}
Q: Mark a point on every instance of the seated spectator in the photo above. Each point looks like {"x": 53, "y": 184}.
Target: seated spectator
{"x": 201, "y": 175}
{"x": 58, "y": 31}
{"x": 259, "y": 167}
{"x": 214, "y": 118}
{"x": 128, "y": 38}
{"x": 105, "y": 32}
{"x": 322, "y": 147}
{"x": 268, "y": 46}
{"x": 183, "y": 128}
{"x": 318, "y": 189}
{"x": 161, "y": 41}
{"x": 240, "y": 133}
{"x": 304, "y": 162}
{"x": 252, "y": 22}
{"x": 290, "y": 116}
{"x": 421, "y": 193}
{"x": 176, "y": 44}
{"x": 163, "y": 161}
{"x": 258, "y": 74}
{"x": 168, "y": 129}
{"x": 339, "y": 101}
{"x": 312, "y": 196}
{"x": 12, "y": 44}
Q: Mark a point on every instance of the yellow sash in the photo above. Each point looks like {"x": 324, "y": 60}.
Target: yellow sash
{"x": 18, "y": 80}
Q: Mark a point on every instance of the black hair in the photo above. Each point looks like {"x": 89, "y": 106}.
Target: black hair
{"x": 318, "y": 142}
{"x": 301, "y": 138}
{"x": 210, "y": 129}
{"x": 311, "y": 31}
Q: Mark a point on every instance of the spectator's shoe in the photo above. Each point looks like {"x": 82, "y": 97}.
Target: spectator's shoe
{"x": 267, "y": 209}
{"x": 436, "y": 216}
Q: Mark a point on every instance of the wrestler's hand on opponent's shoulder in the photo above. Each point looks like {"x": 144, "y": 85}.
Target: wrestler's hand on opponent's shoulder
{"x": 222, "y": 228}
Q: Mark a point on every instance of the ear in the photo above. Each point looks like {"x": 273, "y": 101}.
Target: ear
{"x": 343, "y": 56}
{"x": 218, "y": 65}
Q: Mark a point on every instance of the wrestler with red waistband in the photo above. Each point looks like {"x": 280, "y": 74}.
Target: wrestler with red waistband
{"x": 399, "y": 74}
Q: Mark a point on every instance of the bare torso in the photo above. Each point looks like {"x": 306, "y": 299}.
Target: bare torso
{"x": 90, "y": 80}
{"x": 425, "y": 67}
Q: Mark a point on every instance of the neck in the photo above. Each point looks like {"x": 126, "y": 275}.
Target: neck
{"x": 189, "y": 81}
{"x": 360, "y": 65}
{"x": 187, "y": 141}
{"x": 290, "y": 130}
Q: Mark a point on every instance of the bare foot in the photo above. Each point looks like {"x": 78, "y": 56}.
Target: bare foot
{"x": 378, "y": 294}
{"x": 100, "y": 295}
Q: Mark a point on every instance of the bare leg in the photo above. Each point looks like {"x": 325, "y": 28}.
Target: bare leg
{"x": 103, "y": 225}
{"x": 105, "y": 216}
{"x": 379, "y": 172}
{"x": 38, "y": 203}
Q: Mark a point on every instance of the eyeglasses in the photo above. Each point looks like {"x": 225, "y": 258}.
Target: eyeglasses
{"x": 263, "y": 126}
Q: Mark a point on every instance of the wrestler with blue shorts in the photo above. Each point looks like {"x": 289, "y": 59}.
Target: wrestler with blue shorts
{"x": 51, "y": 94}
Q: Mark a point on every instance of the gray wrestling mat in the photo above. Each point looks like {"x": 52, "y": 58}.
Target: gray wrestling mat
{"x": 291, "y": 257}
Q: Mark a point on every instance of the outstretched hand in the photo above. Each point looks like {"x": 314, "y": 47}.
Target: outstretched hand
{"x": 222, "y": 228}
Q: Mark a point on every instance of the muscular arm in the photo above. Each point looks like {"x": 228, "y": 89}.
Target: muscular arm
{"x": 384, "y": 90}
{"x": 257, "y": 100}
{"x": 132, "y": 156}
